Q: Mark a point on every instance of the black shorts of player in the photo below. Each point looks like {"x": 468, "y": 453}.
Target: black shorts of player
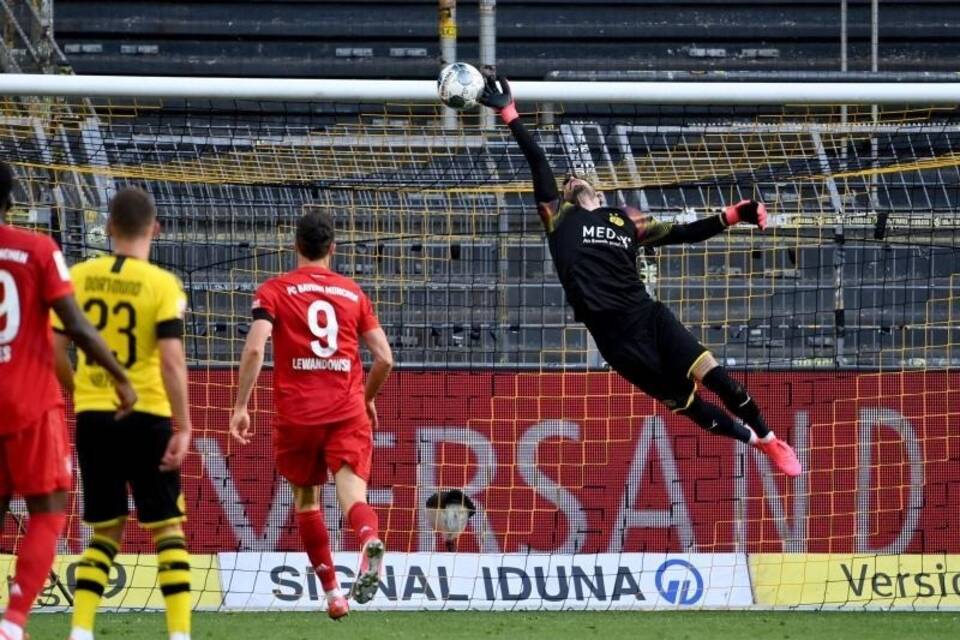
{"x": 116, "y": 453}
{"x": 653, "y": 351}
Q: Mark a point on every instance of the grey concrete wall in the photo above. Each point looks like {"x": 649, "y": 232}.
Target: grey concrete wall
{"x": 365, "y": 38}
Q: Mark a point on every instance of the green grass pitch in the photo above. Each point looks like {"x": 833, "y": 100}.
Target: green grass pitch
{"x": 446, "y": 625}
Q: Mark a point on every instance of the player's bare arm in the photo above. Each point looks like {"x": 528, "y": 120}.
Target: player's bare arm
{"x": 379, "y": 346}
{"x": 173, "y": 370}
{"x": 251, "y": 361}
{"x": 79, "y": 329}
{"x": 62, "y": 364}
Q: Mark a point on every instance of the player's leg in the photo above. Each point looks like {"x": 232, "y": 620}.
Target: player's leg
{"x": 298, "y": 454}
{"x": 173, "y": 576}
{"x": 352, "y": 495}
{"x": 93, "y": 571}
{"x": 655, "y": 358}
{"x": 6, "y": 483}
{"x": 684, "y": 357}
{"x": 679, "y": 394}
{"x": 349, "y": 454}
{"x": 713, "y": 419}
{"x": 104, "y": 509}
{"x": 5, "y": 490}
{"x": 38, "y": 467}
{"x": 34, "y": 559}
{"x": 714, "y": 377}
{"x": 161, "y": 510}
{"x": 316, "y": 542}
{"x": 735, "y": 398}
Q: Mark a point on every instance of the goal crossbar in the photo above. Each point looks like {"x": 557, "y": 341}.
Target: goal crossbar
{"x": 424, "y": 91}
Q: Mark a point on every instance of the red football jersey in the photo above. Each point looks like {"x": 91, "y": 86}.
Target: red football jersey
{"x": 33, "y": 274}
{"x": 318, "y": 317}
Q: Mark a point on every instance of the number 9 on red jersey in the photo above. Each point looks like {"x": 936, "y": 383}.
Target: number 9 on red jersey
{"x": 318, "y": 319}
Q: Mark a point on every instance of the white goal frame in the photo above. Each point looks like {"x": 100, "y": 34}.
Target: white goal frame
{"x": 425, "y": 91}
{"x": 466, "y": 576}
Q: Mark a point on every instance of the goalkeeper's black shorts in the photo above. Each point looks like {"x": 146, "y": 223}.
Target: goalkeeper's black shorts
{"x": 653, "y": 351}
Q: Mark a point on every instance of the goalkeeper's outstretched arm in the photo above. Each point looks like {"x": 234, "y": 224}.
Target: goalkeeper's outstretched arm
{"x": 544, "y": 183}
{"x": 497, "y": 96}
{"x": 653, "y": 233}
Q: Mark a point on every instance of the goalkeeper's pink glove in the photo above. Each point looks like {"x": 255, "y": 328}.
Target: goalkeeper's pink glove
{"x": 746, "y": 211}
{"x": 499, "y": 97}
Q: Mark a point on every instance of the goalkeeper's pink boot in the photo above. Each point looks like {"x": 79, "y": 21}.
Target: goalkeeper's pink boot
{"x": 337, "y": 607}
{"x": 368, "y": 575}
{"x": 782, "y": 455}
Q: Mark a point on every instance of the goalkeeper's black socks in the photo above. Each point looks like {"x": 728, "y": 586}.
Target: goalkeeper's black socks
{"x": 715, "y": 420}
{"x": 736, "y": 399}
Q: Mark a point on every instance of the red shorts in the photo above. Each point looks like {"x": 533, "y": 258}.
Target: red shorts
{"x": 303, "y": 454}
{"x": 36, "y": 460}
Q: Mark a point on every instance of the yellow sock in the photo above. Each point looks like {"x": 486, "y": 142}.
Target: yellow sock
{"x": 173, "y": 574}
{"x": 92, "y": 573}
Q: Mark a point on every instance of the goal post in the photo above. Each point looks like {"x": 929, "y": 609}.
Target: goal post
{"x": 842, "y": 319}
{"x": 425, "y": 91}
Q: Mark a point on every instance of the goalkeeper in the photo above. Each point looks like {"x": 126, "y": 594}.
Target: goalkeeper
{"x": 595, "y": 248}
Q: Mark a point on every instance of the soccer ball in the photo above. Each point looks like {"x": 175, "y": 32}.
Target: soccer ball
{"x": 459, "y": 85}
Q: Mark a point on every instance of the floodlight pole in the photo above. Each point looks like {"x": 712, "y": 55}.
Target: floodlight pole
{"x": 874, "y": 109}
{"x": 488, "y": 47}
{"x": 844, "y": 68}
{"x": 881, "y": 224}
{"x": 447, "y": 25}
{"x": 839, "y": 254}
{"x": 843, "y": 35}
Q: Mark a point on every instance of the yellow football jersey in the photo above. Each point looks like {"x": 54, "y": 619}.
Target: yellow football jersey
{"x": 132, "y": 303}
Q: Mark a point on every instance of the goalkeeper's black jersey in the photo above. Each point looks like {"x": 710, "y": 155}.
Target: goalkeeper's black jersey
{"x": 595, "y": 254}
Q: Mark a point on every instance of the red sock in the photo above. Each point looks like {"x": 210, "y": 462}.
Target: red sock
{"x": 363, "y": 520}
{"x": 34, "y": 562}
{"x": 316, "y": 541}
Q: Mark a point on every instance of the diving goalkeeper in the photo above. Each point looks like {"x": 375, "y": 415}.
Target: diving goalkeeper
{"x": 595, "y": 248}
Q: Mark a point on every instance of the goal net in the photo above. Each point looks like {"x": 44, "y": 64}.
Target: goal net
{"x": 842, "y": 319}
